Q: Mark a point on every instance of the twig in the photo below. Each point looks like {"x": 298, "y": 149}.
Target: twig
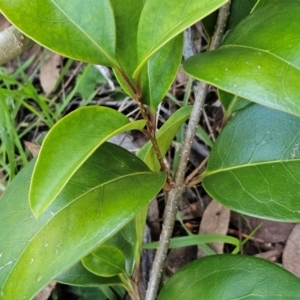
{"x": 211, "y": 133}
{"x": 152, "y": 136}
{"x": 12, "y": 44}
{"x": 172, "y": 201}
{"x": 195, "y": 172}
{"x": 136, "y": 93}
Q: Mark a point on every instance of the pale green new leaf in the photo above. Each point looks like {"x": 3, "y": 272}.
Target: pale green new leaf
{"x": 162, "y": 20}
{"x": 254, "y": 166}
{"x": 122, "y": 244}
{"x": 80, "y": 30}
{"x": 253, "y": 62}
{"x": 78, "y": 275}
{"x": 106, "y": 261}
{"x": 164, "y": 136}
{"x": 66, "y": 147}
{"x": 110, "y": 188}
{"x": 231, "y": 277}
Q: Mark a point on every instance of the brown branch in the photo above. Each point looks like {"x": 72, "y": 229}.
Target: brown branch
{"x": 136, "y": 92}
{"x": 151, "y": 132}
{"x": 172, "y": 202}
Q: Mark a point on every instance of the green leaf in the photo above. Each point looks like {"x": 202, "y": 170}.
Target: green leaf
{"x": 193, "y": 239}
{"x": 204, "y": 137}
{"x": 160, "y": 72}
{"x": 109, "y": 189}
{"x": 254, "y": 166}
{"x": 66, "y": 147}
{"x": 253, "y": 63}
{"x": 125, "y": 241}
{"x": 239, "y": 9}
{"x": 232, "y": 103}
{"x": 78, "y": 275}
{"x": 231, "y": 277}
{"x": 105, "y": 261}
{"x": 78, "y": 30}
{"x": 87, "y": 81}
{"x": 127, "y": 15}
{"x": 164, "y": 137}
{"x": 162, "y": 20}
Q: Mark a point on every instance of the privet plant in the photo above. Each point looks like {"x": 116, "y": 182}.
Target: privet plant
{"x": 76, "y": 214}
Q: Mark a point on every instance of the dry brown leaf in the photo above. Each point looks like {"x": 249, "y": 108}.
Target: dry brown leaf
{"x": 50, "y": 72}
{"x": 33, "y": 148}
{"x": 273, "y": 254}
{"x": 215, "y": 221}
{"x": 182, "y": 77}
{"x": 46, "y": 292}
{"x": 269, "y": 232}
{"x": 179, "y": 257}
{"x": 3, "y": 23}
{"x": 291, "y": 252}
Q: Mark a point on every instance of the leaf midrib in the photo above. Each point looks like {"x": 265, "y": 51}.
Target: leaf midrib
{"x": 84, "y": 33}
{"x": 249, "y": 165}
{"x": 259, "y": 50}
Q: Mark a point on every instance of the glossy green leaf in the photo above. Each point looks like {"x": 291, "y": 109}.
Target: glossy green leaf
{"x": 77, "y": 30}
{"x": 232, "y": 103}
{"x": 127, "y": 241}
{"x": 127, "y": 15}
{"x": 160, "y": 72}
{"x": 78, "y": 275}
{"x": 254, "y": 166}
{"x": 124, "y": 241}
{"x": 162, "y": 20}
{"x": 231, "y": 277}
{"x": 96, "y": 203}
{"x": 164, "y": 137}
{"x": 66, "y": 147}
{"x": 253, "y": 63}
{"x": 105, "y": 261}
{"x": 239, "y": 9}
